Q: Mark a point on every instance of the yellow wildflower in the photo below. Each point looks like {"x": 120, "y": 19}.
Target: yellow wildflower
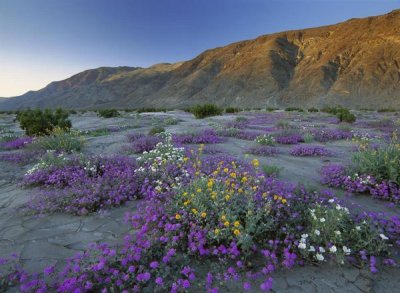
{"x": 244, "y": 179}
{"x": 255, "y": 163}
{"x": 216, "y": 231}
{"x": 233, "y": 175}
{"x": 185, "y": 193}
{"x": 226, "y": 170}
{"x": 177, "y": 216}
{"x": 240, "y": 190}
{"x": 227, "y": 197}
{"x": 236, "y": 232}
{"x": 264, "y": 195}
{"x": 236, "y": 224}
{"x": 284, "y": 200}
{"x": 186, "y": 203}
{"x": 203, "y": 215}
{"x": 275, "y": 197}
{"x": 194, "y": 211}
{"x": 226, "y": 224}
{"x": 199, "y": 190}
{"x": 223, "y": 218}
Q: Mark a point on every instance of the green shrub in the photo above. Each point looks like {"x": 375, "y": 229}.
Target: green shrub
{"x": 72, "y": 111}
{"x": 206, "y": 110}
{"x": 108, "y": 113}
{"x": 313, "y": 109}
{"x": 283, "y": 124}
{"x": 155, "y": 130}
{"x": 308, "y": 137}
{"x": 382, "y": 164}
{"x": 383, "y": 110}
{"x": 270, "y": 109}
{"x": 344, "y": 115}
{"x": 150, "y": 109}
{"x": 290, "y": 109}
{"x": 38, "y": 122}
{"x": 171, "y": 121}
{"x": 271, "y": 170}
{"x": 232, "y": 110}
{"x": 60, "y": 140}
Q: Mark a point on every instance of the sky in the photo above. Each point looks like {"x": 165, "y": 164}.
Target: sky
{"x": 47, "y": 40}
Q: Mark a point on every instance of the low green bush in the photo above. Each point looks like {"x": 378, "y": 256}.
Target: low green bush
{"x": 271, "y": 170}
{"x": 382, "y": 163}
{"x": 270, "y": 109}
{"x": 290, "y": 109}
{"x": 60, "y": 140}
{"x": 157, "y": 129}
{"x": 38, "y": 122}
{"x": 312, "y": 109}
{"x": 108, "y": 113}
{"x": 232, "y": 110}
{"x": 206, "y": 110}
{"x": 344, "y": 115}
{"x": 150, "y": 109}
{"x": 383, "y": 110}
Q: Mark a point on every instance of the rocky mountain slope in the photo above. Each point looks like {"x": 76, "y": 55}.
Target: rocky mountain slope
{"x": 355, "y": 63}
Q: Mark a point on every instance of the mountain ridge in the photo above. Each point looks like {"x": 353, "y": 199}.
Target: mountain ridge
{"x": 355, "y": 63}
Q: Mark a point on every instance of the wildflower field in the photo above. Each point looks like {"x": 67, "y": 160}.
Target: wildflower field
{"x": 248, "y": 201}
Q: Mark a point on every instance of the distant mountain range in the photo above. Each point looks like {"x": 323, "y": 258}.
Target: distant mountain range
{"x": 355, "y": 63}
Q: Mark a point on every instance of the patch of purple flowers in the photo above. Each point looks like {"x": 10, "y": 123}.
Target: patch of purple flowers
{"x": 289, "y": 138}
{"x": 329, "y": 134}
{"x": 338, "y": 176}
{"x": 309, "y": 151}
{"x": 17, "y": 143}
{"x": 207, "y": 136}
{"x": 84, "y": 187}
{"x": 144, "y": 144}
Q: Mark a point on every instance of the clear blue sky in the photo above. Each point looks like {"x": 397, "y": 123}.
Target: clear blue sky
{"x": 46, "y": 40}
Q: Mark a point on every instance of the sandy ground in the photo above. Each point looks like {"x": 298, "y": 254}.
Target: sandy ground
{"x": 50, "y": 239}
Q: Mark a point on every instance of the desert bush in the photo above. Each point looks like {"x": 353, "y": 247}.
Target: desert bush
{"x": 270, "y": 109}
{"x": 271, "y": 170}
{"x": 171, "y": 121}
{"x": 38, "y": 122}
{"x": 156, "y": 129}
{"x": 60, "y": 140}
{"x": 72, "y": 112}
{"x": 283, "y": 124}
{"x": 344, "y": 115}
{"x": 384, "y": 110}
{"x": 313, "y": 109}
{"x": 108, "y": 113}
{"x": 206, "y": 110}
{"x": 232, "y": 110}
{"x": 382, "y": 163}
{"x": 291, "y": 109}
{"x": 151, "y": 109}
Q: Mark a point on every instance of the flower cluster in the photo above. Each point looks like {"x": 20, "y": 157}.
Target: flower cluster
{"x": 286, "y": 138}
{"x": 309, "y": 151}
{"x": 265, "y": 139}
{"x": 81, "y": 185}
{"x": 338, "y": 176}
{"x": 207, "y": 136}
{"x": 17, "y": 143}
{"x": 330, "y": 134}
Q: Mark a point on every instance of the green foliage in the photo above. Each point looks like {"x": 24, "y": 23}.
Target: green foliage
{"x": 232, "y": 110}
{"x": 382, "y": 164}
{"x": 97, "y": 132}
{"x": 290, "y": 109}
{"x": 150, "y": 109}
{"x": 156, "y": 129}
{"x": 206, "y": 110}
{"x": 335, "y": 228}
{"x": 383, "y": 110}
{"x": 108, "y": 113}
{"x": 308, "y": 137}
{"x": 72, "y": 112}
{"x": 38, "y": 122}
{"x": 270, "y": 109}
{"x": 283, "y": 124}
{"x": 313, "y": 109}
{"x": 271, "y": 170}
{"x": 344, "y": 115}
{"x": 171, "y": 121}
{"x": 60, "y": 140}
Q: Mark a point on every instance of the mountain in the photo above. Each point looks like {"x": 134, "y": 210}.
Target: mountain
{"x": 355, "y": 63}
